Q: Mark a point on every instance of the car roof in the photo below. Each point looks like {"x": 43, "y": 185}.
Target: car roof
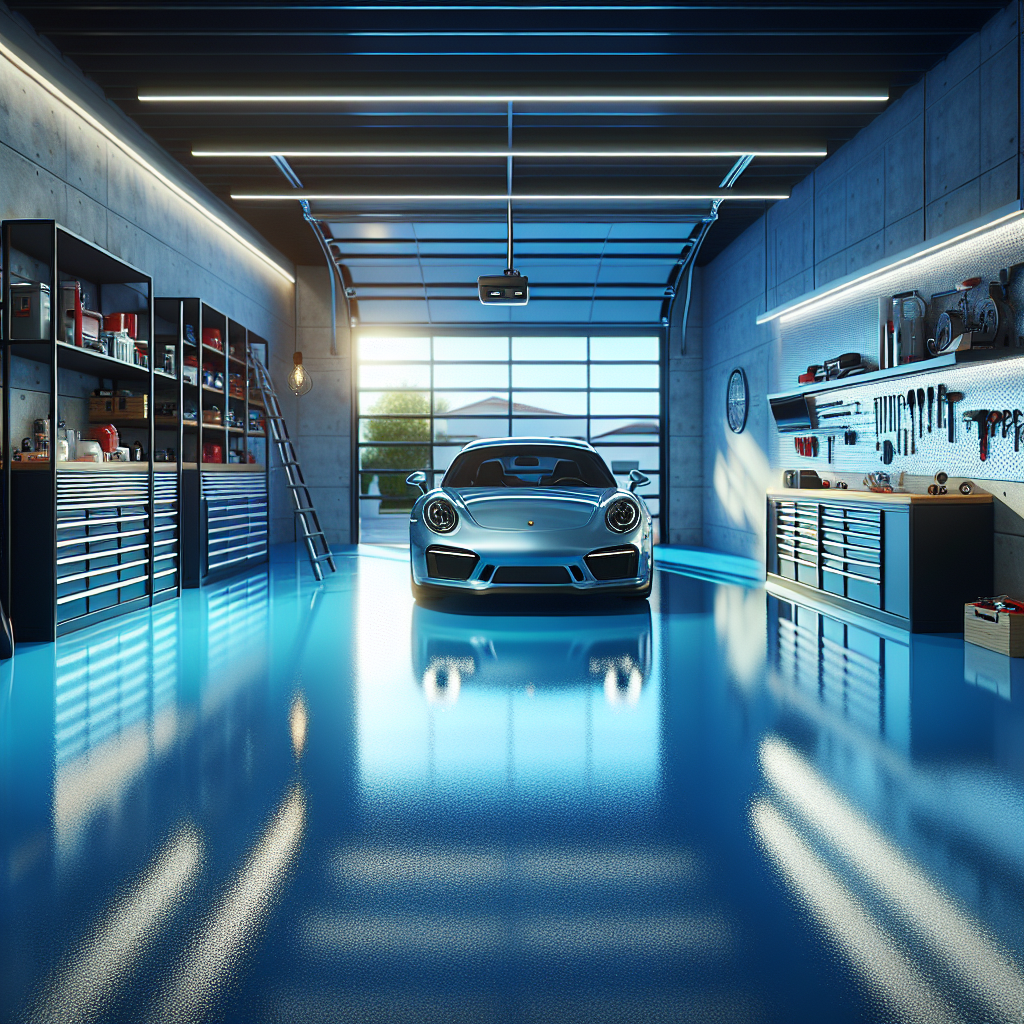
{"x": 491, "y": 442}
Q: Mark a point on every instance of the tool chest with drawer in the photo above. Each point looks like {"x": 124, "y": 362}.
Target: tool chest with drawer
{"x": 910, "y": 560}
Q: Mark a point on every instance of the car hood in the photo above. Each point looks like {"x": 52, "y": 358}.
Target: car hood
{"x": 546, "y": 508}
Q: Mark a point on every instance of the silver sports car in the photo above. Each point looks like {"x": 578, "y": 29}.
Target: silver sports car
{"x": 530, "y": 514}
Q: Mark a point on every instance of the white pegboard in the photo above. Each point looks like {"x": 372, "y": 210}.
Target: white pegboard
{"x": 848, "y": 322}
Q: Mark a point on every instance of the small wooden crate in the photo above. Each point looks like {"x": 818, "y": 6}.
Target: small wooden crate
{"x": 118, "y": 407}
{"x": 999, "y": 631}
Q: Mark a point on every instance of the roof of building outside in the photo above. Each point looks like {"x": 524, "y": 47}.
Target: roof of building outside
{"x": 490, "y": 442}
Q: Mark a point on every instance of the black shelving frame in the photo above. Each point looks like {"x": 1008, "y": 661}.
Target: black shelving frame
{"x": 32, "y": 493}
{"x": 208, "y": 506}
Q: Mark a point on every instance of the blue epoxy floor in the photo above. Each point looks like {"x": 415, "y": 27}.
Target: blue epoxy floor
{"x": 280, "y": 801}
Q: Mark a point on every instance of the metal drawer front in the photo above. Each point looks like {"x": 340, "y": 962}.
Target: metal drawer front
{"x": 237, "y": 518}
{"x": 103, "y": 540}
{"x": 166, "y": 532}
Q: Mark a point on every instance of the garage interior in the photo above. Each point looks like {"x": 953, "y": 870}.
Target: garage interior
{"x": 774, "y": 256}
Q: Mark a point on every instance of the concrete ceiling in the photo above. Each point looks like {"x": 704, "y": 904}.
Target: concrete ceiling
{"x": 797, "y": 45}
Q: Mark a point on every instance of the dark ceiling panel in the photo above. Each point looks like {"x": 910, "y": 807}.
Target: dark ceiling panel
{"x": 757, "y": 47}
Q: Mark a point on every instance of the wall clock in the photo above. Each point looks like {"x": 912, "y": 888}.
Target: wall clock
{"x": 737, "y": 401}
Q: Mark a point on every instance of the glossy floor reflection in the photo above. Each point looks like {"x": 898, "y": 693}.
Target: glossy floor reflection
{"x": 279, "y": 800}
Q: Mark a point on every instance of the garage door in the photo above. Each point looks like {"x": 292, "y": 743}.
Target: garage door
{"x": 420, "y": 399}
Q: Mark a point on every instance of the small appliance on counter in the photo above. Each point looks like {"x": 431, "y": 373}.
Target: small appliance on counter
{"x": 106, "y": 435}
{"x": 89, "y": 451}
{"x": 41, "y": 435}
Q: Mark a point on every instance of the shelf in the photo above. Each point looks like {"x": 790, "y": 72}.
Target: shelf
{"x": 213, "y": 391}
{"x": 142, "y": 424}
{"x": 165, "y": 375}
{"x": 235, "y": 430}
{"x": 875, "y": 498}
{"x": 81, "y": 360}
{"x": 215, "y": 351}
{"x": 908, "y": 370}
{"x": 75, "y": 466}
{"x": 253, "y": 433}
{"x": 234, "y": 467}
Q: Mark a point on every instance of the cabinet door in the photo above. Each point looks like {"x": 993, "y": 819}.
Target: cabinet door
{"x": 897, "y": 562}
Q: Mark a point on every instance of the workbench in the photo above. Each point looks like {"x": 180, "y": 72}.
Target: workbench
{"x": 909, "y": 560}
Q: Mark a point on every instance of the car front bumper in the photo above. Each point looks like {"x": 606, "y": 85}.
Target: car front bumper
{"x": 503, "y": 558}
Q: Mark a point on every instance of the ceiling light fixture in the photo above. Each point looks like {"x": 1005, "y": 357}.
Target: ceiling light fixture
{"x": 413, "y": 154}
{"x": 348, "y": 197}
{"x": 480, "y": 98}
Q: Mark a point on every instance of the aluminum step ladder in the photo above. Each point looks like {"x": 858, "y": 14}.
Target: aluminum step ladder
{"x": 313, "y": 536}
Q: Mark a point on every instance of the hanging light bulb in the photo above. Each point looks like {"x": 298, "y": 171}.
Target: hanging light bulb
{"x": 299, "y": 380}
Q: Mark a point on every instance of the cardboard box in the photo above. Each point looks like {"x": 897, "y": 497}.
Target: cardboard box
{"x": 1000, "y": 631}
{"x": 118, "y": 407}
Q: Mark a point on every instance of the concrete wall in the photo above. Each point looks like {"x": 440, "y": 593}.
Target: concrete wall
{"x": 57, "y": 163}
{"x": 321, "y": 422}
{"x": 946, "y": 152}
{"x": 683, "y": 480}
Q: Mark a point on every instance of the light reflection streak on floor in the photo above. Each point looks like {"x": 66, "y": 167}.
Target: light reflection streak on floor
{"x": 283, "y": 800}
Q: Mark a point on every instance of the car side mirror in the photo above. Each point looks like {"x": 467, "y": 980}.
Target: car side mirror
{"x": 418, "y": 479}
{"x": 637, "y": 479}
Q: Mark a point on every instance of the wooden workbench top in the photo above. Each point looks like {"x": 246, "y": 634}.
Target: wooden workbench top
{"x": 871, "y": 498}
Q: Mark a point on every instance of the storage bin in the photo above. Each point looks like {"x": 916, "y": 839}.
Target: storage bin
{"x": 1000, "y": 630}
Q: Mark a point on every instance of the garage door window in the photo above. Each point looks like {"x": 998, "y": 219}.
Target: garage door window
{"x": 420, "y": 399}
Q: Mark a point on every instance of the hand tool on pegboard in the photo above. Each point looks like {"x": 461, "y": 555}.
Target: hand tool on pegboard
{"x": 920, "y": 412}
{"x": 1018, "y": 416}
{"x": 980, "y": 418}
{"x": 951, "y": 398}
{"x": 1007, "y": 422}
{"x": 911, "y": 405}
{"x": 878, "y": 443}
{"x": 931, "y": 400}
{"x": 940, "y": 412}
{"x": 995, "y": 417}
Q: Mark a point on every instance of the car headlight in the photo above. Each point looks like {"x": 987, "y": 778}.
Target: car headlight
{"x": 440, "y": 516}
{"x": 622, "y": 516}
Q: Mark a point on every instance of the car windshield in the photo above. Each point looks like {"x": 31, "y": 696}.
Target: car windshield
{"x": 532, "y": 466}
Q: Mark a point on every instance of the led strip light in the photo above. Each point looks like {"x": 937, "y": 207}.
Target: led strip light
{"x": 139, "y": 159}
{"x": 399, "y": 154}
{"x": 501, "y": 197}
{"x": 484, "y": 98}
{"x": 913, "y": 257}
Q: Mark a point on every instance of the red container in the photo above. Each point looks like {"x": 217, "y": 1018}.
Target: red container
{"x": 211, "y": 337}
{"x": 106, "y": 434}
{"x": 212, "y": 452}
{"x": 128, "y": 322}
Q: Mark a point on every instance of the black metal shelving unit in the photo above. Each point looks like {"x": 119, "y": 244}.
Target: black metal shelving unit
{"x": 83, "y": 541}
{"x": 225, "y": 496}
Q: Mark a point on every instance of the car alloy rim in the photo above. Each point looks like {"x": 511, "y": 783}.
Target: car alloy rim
{"x": 440, "y": 516}
{"x": 622, "y": 515}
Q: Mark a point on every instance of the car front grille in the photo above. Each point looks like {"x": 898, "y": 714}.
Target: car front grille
{"x": 531, "y": 574}
{"x": 613, "y": 563}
